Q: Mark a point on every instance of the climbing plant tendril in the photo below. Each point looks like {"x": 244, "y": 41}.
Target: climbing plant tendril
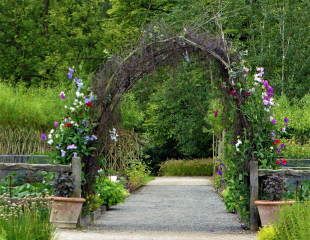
{"x": 246, "y": 117}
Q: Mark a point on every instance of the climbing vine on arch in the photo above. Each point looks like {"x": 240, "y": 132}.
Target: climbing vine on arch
{"x": 247, "y": 101}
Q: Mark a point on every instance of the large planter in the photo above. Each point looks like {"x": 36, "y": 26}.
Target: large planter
{"x": 66, "y": 211}
{"x": 269, "y": 210}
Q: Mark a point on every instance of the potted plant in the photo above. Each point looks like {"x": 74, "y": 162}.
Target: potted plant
{"x": 65, "y": 209}
{"x": 274, "y": 189}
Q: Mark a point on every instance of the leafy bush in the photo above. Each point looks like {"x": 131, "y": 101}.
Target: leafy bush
{"x": 64, "y": 185}
{"x": 138, "y": 175}
{"x": 21, "y": 186}
{"x": 25, "y": 219}
{"x": 294, "y": 222}
{"x": 196, "y": 167}
{"x": 111, "y": 193}
{"x": 267, "y": 233}
{"x": 274, "y": 187}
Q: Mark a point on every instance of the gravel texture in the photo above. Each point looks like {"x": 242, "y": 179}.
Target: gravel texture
{"x": 172, "y": 204}
{"x": 111, "y": 235}
{"x": 168, "y": 208}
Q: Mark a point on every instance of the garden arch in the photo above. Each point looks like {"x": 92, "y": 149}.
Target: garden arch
{"x": 118, "y": 75}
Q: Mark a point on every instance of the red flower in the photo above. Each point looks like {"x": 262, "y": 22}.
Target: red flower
{"x": 276, "y": 141}
{"x": 89, "y": 104}
{"x": 233, "y": 92}
{"x": 216, "y": 113}
{"x": 68, "y": 124}
{"x": 284, "y": 162}
{"x": 278, "y": 162}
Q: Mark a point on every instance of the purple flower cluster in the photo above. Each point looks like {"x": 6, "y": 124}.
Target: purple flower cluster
{"x": 268, "y": 90}
{"x": 70, "y": 73}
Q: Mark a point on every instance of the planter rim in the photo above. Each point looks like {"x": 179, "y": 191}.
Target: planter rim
{"x": 268, "y": 202}
{"x": 66, "y": 199}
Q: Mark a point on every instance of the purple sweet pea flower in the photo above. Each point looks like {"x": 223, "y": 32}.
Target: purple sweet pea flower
{"x": 219, "y": 172}
{"x": 72, "y": 146}
{"x": 43, "y": 137}
{"x": 273, "y": 134}
{"x": 62, "y": 96}
{"x": 79, "y": 83}
{"x": 70, "y": 73}
{"x": 274, "y": 121}
{"x": 56, "y": 124}
{"x": 286, "y": 120}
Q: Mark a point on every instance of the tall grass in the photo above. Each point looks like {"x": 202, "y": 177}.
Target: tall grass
{"x": 21, "y": 141}
{"x": 196, "y": 167}
{"x": 25, "y": 220}
{"x": 34, "y": 108}
{"x": 25, "y": 113}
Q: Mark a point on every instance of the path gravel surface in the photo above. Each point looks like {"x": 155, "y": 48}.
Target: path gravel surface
{"x": 170, "y": 208}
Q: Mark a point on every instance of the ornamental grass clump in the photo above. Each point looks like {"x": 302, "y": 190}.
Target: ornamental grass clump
{"x": 25, "y": 219}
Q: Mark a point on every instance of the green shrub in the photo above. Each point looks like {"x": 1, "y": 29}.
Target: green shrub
{"x": 294, "y": 222}
{"x": 26, "y": 219}
{"x": 267, "y": 233}
{"x": 110, "y": 192}
{"x": 138, "y": 175}
{"x": 196, "y": 167}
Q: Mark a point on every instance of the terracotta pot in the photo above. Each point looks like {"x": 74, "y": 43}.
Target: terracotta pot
{"x": 269, "y": 210}
{"x": 66, "y": 211}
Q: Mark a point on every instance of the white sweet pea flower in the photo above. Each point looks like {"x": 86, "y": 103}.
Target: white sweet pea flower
{"x": 50, "y": 142}
{"x": 239, "y": 142}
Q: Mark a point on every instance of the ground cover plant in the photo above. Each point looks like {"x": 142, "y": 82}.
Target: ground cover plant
{"x": 194, "y": 167}
{"x": 110, "y": 193}
{"x": 26, "y": 219}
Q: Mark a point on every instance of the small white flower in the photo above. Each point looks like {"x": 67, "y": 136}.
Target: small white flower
{"x": 113, "y": 135}
{"x": 239, "y": 142}
{"x": 72, "y": 109}
{"x": 50, "y": 142}
{"x": 271, "y": 148}
{"x": 66, "y": 106}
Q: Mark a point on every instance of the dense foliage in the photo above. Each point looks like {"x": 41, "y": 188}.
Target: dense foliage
{"x": 294, "y": 223}
{"x": 41, "y": 40}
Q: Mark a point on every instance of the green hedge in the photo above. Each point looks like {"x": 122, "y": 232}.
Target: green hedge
{"x": 195, "y": 167}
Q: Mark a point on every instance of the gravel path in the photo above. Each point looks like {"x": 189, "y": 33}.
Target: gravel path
{"x": 174, "y": 208}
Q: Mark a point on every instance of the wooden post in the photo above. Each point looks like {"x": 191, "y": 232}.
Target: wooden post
{"x": 76, "y": 174}
{"x": 254, "y": 195}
